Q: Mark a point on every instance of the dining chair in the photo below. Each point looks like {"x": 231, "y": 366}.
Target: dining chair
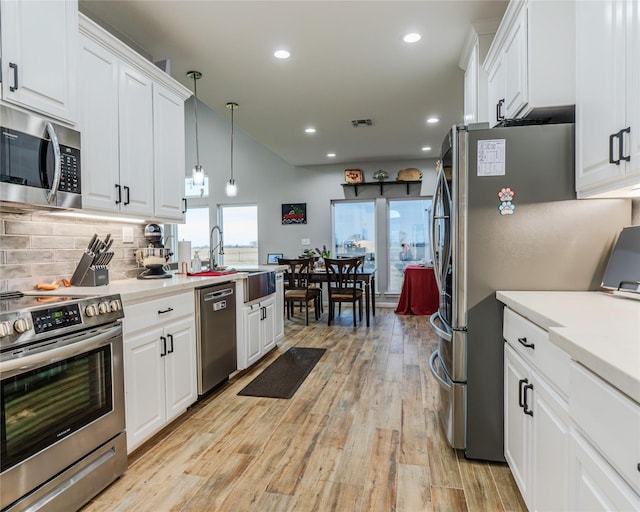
{"x": 298, "y": 288}
{"x": 341, "y": 279}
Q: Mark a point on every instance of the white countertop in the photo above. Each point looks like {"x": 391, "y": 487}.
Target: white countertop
{"x": 137, "y": 290}
{"x": 601, "y": 331}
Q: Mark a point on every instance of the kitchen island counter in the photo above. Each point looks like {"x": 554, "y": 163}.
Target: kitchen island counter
{"x": 599, "y": 330}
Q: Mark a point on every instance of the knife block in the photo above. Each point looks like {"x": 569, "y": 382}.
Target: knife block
{"x": 95, "y": 277}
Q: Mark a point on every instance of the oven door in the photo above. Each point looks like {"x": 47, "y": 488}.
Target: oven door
{"x": 59, "y": 401}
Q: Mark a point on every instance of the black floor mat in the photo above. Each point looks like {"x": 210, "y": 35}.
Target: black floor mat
{"x": 283, "y": 377}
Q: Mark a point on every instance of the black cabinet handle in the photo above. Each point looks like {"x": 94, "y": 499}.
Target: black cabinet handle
{"x": 526, "y": 404}
{"x": 126, "y": 190}
{"x": 163, "y": 311}
{"x": 499, "y": 115}
{"x": 184, "y": 204}
{"x": 523, "y": 342}
{"x": 170, "y": 336}
{"x": 621, "y": 144}
{"x": 520, "y": 400}
{"x": 611, "y": 160}
{"x": 119, "y": 189}
{"x": 14, "y": 66}
{"x": 164, "y": 346}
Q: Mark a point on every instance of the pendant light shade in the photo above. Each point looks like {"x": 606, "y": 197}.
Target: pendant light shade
{"x": 197, "y": 172}
{"x": 231, "y": 188}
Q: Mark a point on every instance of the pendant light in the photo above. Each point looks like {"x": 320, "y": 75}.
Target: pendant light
{"x": 232, "y": 188}
{"x": 197, "y": 173}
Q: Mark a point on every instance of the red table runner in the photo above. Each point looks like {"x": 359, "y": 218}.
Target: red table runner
{"x": 419, "y": 292}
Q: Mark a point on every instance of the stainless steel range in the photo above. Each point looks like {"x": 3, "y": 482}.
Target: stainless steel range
{"x": 62, "y": 423}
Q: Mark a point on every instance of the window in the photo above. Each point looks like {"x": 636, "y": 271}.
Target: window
{"x": 196, "y": 230}
{"x": 408, "y": 221}
{"x": 239, "y": 226}
{"x": 354, "y": 230}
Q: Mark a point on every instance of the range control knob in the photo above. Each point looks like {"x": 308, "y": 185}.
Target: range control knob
{"x": 103, "y": 308}
{"x": 115, "y": 305}
{"x": 21, "y": 325}
{"x": 5, "y": 329}
{"x": 91, "y": 310}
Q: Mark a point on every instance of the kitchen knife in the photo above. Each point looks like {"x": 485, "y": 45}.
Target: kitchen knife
{"x": 107, "y": 238}
{"x": 109, "y": 256}
{"x": 93, "y": 240}
{"x": 108, "y": 246}
{"x": 94, "y": 247}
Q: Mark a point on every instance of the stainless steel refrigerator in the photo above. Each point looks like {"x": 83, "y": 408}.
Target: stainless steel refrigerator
{"x": 504, "y": 217}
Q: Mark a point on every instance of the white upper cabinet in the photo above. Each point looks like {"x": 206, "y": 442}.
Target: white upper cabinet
{"x": 39, "y": 48}
{"x": 608, "y": 98}
{"x": 530, "y": 64}
{"x": 132, "y": 125}
{"x": 475, "y": 49}
{"x": 168, "y": 136}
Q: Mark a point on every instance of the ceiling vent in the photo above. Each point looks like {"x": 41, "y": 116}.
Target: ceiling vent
{"x": 361, "y": 122}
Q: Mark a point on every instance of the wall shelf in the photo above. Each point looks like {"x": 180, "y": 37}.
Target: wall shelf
{"x": 382, "y": 185}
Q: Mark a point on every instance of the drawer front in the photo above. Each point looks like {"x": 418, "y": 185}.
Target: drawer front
{"x": 548, "y": 359}
{"x": 157, "y": 311}
{"x": 609, "y": 419}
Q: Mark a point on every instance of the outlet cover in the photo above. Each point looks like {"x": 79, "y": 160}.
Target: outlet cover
{"x": 306, "y": 241}
{"x": 127, "y": 235}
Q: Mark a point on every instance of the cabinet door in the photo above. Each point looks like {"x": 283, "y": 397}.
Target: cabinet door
{"x": 471, "y": 88}
{"x": 517, "y": 424}
{"x": 279, "y": 312}
{"x": 550, "y": 448}
{"x": 633, "y": 87}
{"x": 495, "y": 93}
{"x": 180, "y": 366}
{"x": 600, "y": 90}
{"x": 269, "y": 324}
{"x": 515, "y": 67}
{"x": 135, "y": 114}
{"x": 39, "y": 49}
{"x": 144, "y": 386}
{"x": 253, "y": 333}
{"x": 169, "y": 164}
{"x": 98, "y": 123}
{"x": 594, "y": 485}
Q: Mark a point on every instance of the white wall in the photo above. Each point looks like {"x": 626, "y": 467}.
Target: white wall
{"x": 265, "y": 179}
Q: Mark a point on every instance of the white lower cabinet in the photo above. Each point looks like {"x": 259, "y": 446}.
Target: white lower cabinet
{"x": 259, "y": 321}
{"x": 572, "y": 441}
{"x": 159, "y": 364}
{"x": 595, "y": 486}
{"x": 279, "y": 305}
{"x": 536, "y": 435}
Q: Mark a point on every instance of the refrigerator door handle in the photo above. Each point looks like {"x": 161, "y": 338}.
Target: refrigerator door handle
{"x": 440, "y": 332}
{"x": 434, "y": 372}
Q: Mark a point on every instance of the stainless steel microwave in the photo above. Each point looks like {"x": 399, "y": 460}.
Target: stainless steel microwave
{"x": 39, "y": 163}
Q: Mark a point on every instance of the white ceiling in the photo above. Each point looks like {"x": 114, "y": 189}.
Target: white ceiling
{"x": 348, "y": 62}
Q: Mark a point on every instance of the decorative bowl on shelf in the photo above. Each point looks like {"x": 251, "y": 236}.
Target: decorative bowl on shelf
{"x": 380, "y": 175}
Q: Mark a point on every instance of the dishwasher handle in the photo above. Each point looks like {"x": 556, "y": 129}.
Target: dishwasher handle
{"x": 218, "y": 293}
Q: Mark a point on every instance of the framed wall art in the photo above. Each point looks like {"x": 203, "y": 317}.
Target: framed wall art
{"x": 294, "y": 213}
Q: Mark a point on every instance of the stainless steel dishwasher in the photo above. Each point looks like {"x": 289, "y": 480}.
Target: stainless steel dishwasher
{"x": 216, "y": 336}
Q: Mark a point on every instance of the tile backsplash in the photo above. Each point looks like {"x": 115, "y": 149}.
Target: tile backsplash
{"x": 40, "y": 248}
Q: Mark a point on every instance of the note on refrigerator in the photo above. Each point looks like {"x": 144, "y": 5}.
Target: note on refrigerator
{"x": 491, "y": 157}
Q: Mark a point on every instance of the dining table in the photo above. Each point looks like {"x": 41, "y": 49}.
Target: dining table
{"x": 366, "y": 276}
{"x": 419, "y": 294}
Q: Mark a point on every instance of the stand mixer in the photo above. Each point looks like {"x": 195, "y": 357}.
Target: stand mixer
{"x": 155, "y": 255}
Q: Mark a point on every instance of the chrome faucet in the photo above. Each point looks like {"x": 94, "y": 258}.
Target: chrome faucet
{"x": 212, "y": 249}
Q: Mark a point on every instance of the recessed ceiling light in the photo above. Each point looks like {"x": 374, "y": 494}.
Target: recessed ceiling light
{"x": 412, "y": 38}
{"x": 331, "y": 155}
{"x": 310, "y": 130}
{"x": 426, "y": 148}
{"x": 281, "y": 54}
{"x": 432, "y": 120}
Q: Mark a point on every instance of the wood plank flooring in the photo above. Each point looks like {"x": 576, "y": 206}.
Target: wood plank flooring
{"x": 360, "y": 434}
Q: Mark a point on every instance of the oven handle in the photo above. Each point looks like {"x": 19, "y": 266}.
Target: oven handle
{"x": 92, "y": 340}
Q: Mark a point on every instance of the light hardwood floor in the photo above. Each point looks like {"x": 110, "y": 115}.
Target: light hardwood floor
{"x": 360, "y": 434}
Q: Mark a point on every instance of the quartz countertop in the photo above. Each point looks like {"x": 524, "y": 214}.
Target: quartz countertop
{"x": 601, "y": 331}
{"x": 137, "y": 290}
